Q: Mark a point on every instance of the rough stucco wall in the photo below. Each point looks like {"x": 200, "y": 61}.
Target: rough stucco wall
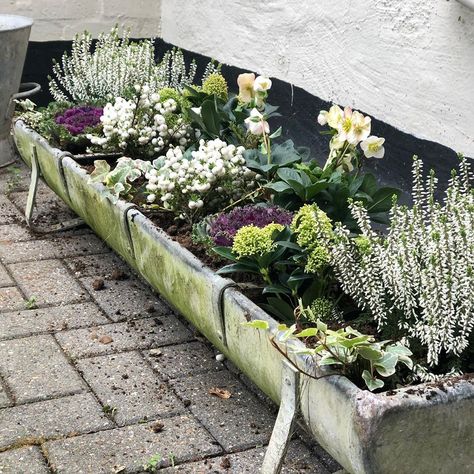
{"x": 407, "y": 62}
{"x": 62, "y": 19}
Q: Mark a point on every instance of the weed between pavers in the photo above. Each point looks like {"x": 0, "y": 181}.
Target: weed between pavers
{"x": 109, "y": 410}
{"x": 31, "y": 303}
{"x": 157, "y": 461}
{"x": 153, "y": 464}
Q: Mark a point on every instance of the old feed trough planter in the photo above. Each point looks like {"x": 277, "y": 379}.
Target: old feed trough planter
{"x": 424, "y": 430}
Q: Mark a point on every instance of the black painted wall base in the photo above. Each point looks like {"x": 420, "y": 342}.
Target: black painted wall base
{"x": 299, "y": 112}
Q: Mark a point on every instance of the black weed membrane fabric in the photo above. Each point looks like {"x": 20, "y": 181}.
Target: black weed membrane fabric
{"x": 299, "y": 111}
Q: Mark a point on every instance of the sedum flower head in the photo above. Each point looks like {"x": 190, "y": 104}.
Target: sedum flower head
{"x": 321, "y": 308}
{"x": 215, "y": 84}
{"x": 318, "y": 258}
{"x": 312, "y": 226}
{"x": 253, "y": 241}
{"x": 363, "y": 244}
{"x": 314, "y": 232}
{"x": 271, "y": 229}
{"x": 170, "y": 93}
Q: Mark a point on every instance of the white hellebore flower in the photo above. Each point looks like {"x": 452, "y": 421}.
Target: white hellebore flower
{"x": 256, "y": 124}
{"x": 245, "y": 82}
{"x": 262, "y": 84}
{"x": 373, "y": 147}
{"x": 335, "y": 116}
{"x": 323, "y": 117}
{"x": 360, "y": 129}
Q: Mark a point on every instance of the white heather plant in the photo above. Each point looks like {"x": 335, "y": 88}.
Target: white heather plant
{"x": 111, "y": 67}
{"x": 201, "y": 181}
{"x": 420, "y": 276}
{"x": 142, "y": 126}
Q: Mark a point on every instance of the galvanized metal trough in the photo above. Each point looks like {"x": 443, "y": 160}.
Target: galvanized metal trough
{"x": 427, "y": 429}
{"x": 14, "y": 34}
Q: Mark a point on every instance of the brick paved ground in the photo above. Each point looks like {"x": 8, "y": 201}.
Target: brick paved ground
{"x": 102, "y": 381}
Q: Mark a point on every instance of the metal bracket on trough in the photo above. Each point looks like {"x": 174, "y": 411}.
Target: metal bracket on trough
{"x": 126, "y": 225}
{"x": 220, "y": 306}
{"x": 283, "y": 429}
{"x": 31, "y": 200}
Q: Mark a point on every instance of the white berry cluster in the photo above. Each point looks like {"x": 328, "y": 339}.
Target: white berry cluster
{"x": 145, "y": 125}
{"x": 215, "y": 174}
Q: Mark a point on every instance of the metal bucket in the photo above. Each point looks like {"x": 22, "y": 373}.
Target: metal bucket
{"x": 14, "y": 35}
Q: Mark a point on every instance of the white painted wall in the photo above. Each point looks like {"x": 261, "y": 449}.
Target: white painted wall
{"x": 407, "y": 62}
{"x": 62, "y": 19}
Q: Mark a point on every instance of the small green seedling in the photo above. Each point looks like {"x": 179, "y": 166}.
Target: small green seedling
{"x": 153, "y": 464}
{"x": 31, "y": 303}
{"x": 109, "y": 410}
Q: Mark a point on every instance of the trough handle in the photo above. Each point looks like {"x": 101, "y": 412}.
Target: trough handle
{"x": 21, "y": 95}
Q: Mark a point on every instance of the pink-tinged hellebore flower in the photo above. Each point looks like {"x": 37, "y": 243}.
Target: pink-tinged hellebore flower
{"x": 360, "y": 129}
{"x": 245, "y": 82}
{"x": 345, "y": 124}
{"x": 256, "y": 123}
{"x": 373, "y": 147}
{"x": 262, "y": 84}
{"x": 323, "y": 117}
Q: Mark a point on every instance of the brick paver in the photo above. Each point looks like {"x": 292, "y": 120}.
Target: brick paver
{"x": 125, "y": 299}
{"x": 8, "y": 211}
{"x": 5, "y": 400}
{"x": 33, "y": 250}
{"x": 48, "y": 283}
{"x": 49, "y": 320}
{"x": 127, "y": 384}
{"x": 28, "y": 460}
{"x": 14, "y": 233}
{"x": 238, "y": 422}
{"x": 99, "y": 266}
{"x": 65, "y": 416}
{"x": 131, "y": 447}
{"x": 106, "y": 378}
{"x": 183, "y": 360}
{"x": 300, "y": 460}
{"x": 133, "y": 334}
{"x": 5, "y": 279}
{"x": 11, "y": 299}
{"x": 35, "y": 369}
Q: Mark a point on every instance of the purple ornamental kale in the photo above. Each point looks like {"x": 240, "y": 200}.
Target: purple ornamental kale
{"x": 225, "y": 226}
{"x": 77, "y": 119}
